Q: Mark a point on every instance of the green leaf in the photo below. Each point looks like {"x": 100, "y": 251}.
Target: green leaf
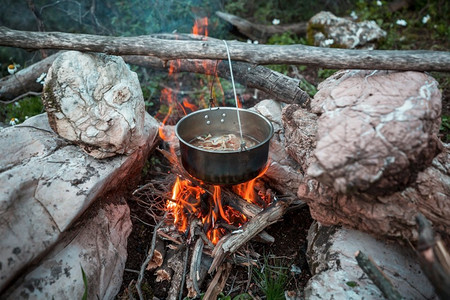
{"x": 85, "y": 284}
{"x": 352, "y": 284}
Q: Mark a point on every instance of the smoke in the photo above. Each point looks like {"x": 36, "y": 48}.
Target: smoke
{"x": 108, "y": 17}
{"x": 104, "y": 17}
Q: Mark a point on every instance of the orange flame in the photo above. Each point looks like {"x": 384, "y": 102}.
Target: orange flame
{"x": 188, "y": 105}
{"x": 200, "y": 26}
{"x": 189, "y": 201}
{"x": 247, "y": 189}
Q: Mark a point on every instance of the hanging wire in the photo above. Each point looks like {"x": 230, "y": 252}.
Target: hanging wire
{"x": 235, "y": 97}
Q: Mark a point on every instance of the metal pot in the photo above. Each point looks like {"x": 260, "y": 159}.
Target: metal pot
{"x": 224, "y": 167}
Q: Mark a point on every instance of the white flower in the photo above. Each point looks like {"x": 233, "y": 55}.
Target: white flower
{"x": 353, "y": 15}
{"x": 12, "y": 68}
{"x": 13, "y": 121}
{"x": 425, "y": 19}
{"x": 26, "y": 117}
{"x": 249, "y": 41}
{"x": 41, "y": 78}
{"x": 275, "y": 21}
{"x": 401, "y": 22}
{"x": 255, "y": 42}
{"x": 328, "y": 42}
{"x": 379, "y": 3}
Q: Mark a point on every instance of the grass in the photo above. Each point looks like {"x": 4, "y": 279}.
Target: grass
{"x": 272, "y": 277}
{"x": 21, "y": 110}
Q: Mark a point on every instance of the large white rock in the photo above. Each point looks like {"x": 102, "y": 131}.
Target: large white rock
{"x": 97, "y": 244}
{"x": 46, "y": 184}
{"x": 94, "y": 100}
{"x": 327, "y": 30}
{"x": 337, "y": 275}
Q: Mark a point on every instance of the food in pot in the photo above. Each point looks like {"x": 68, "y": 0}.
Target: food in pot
{"x": 222, "y": 142}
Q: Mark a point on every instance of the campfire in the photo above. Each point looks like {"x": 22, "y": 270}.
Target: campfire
{"x": 204, "y": 226}
{"x": 210, "y": 210}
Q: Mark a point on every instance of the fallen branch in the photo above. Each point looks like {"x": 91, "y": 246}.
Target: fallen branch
{"x": 261, "y": 32}
{"x": 218, "y": 282}
{"x": 419, "y": 60}
{"x": 149, "y": 257}
{"x": 377, "y": 276}
{"x": 274, "y": 84}
{"x": 434, "y": 258}
{"x": 232, "y": 242}
{"x": 278, "y": 86}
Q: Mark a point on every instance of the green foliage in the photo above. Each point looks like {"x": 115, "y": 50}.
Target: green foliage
{"x": 85, "y": 294}
{"x": 325, "y": 73}
{"x": 271, "y": 277}
{"x": 417, "y": 33}
{"x": 286, "y": 38}
{"x": 351, "y": 284}
{"x": 25, "y": 108}
{"x": 445, "y": 128}
{"x": 308, "y": 87}
{"x": 288, "y": 11}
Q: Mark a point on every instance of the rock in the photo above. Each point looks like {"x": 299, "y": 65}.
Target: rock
{"x": 98, "y": 244}
{"x": 300, "y": 129}
{"x": 284, "y": 173}
{"x": 327, "y": 30}
{"x": 46, "y": 184}
{"x": 377, "y": 130}
{"x": 391, "y": 216}
{"x": 95, "y": 101}
{"x": 336, "y": 274}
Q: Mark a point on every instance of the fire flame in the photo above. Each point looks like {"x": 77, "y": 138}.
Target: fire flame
{"x": 189, "y": 201}
{"x": 200, "y": 26}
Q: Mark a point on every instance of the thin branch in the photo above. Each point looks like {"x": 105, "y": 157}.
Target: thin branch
{"x": 149, "y": 257}
{"x": 21, "y": 97}
{"x": 377, "y": 276}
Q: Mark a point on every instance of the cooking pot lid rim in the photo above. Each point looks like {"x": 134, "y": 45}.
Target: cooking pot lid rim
{"x": 266, "y": 140}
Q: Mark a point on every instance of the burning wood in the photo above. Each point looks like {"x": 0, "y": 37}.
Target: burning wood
{"x": 212, "y": 223}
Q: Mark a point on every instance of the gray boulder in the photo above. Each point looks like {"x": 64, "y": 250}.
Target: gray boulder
{"x": 46, "y": 184}
{"x": 95, "y": 101}
{"x": 327, "y": 30}
{"x": 337, "y": 275}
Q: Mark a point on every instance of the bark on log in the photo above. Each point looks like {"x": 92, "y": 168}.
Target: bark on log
{"x": 420, "y": 60}
{"x": 218, "y": 282}
{"x": 232, "y": 242}
{"x": 276, "y": 85}
{"x": 261, "y": 32}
